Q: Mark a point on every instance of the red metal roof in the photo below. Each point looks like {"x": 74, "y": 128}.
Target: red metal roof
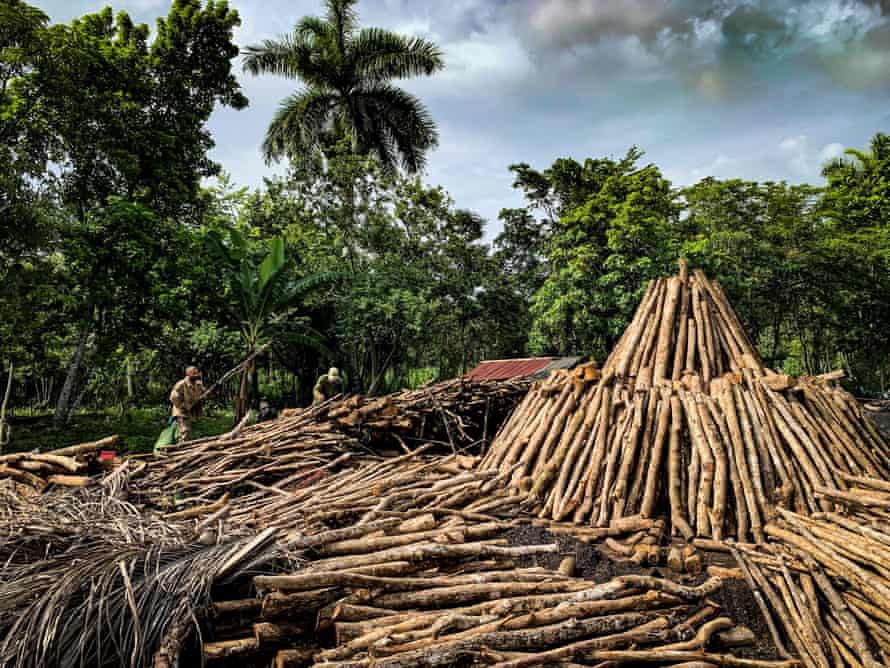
{"x": 501, "y": 369}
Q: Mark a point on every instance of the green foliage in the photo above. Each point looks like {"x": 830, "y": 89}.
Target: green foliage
{"x": 263, "y": 297}
{"x": 617, "y": 230}
{"x": 347, "y": 73}
{"x": 761, "y": 240}
{"x": 118, "y": 114}
{"x": 420, "y": 288}
{"x": 807, "y": 269}
{"x": 855, "y": 254}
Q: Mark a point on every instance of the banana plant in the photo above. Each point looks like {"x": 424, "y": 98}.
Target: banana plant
{"x": 265, "y": 300}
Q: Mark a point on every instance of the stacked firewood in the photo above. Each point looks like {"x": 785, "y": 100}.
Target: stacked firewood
{"x": 825, "y": 579}
{"x": 684, "y": 421}
{"x": 458, "y": 413}
{"x": 434, "y": 598}
{"x": 71, "y": 466}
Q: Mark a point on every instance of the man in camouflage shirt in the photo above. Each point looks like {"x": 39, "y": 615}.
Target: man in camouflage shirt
{"x": 184, "y": 396}
{"x": 328, "y": 385}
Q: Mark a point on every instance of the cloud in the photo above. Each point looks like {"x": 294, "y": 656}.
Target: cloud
{"x": 569, "y": 21}
{"x": 805, "y": 162}
{"x": 751, "y": 89}
{"x": 797, "y": 152}
{"x": 830, "y": 152}
{"x": 703, "y": 45}
{"x": 721, "y": 167}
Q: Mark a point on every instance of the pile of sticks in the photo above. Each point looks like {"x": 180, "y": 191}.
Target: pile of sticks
{"x": 289, "y": 451}
{"x": 283, "y": 456}
{"x": 459, "y": 413}
{"x": 404, "y": 562}
{"x": 435, "y": 598}
{"x": 825, "y": 579}
{"x": 373, "y": 488}
{"x": 72, "y": 466}
{"x": 684, "y": 421}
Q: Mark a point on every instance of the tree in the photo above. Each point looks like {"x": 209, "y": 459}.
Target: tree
{"x": 347, "y": 73}
{"x": 114, "y": 118}
{"x": 617, "y": 228}
{"x": 21, "y": 202}
{"x": 761, "y": 241}
{"x": 264, "y": 300}
{"x": 856, "y": 253}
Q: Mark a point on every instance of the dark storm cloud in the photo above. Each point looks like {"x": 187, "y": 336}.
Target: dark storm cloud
{"x": 702, "y": 44}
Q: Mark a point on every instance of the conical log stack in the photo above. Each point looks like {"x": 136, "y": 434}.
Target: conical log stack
{"x": 685, "y": 421}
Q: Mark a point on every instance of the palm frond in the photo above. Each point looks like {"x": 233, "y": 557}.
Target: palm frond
{"x": 274, "y": 56}
{"x": 344, "y": 19}
{"x": 90, "y": 580}
{"x": 315, "y": 28}
{"x": 300, "y": 123}
{"x": 404, "y": 120}
{"x": 293, "y": 56}
{"x": 320, "y": 278}
{"x": 380, "y": 55}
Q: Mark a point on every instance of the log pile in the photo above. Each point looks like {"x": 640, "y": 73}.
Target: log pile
{"x": 368, "y": 533}
{"x": 305, "y": 445}
{"x": 71, "y": 466}
{"x": 441, "y": 602}
{"x": 684, "y": 421}
{"x": 459, "y": 413}
{"x": 370, "y": 489}
{"x": 825, "y": 579}
{"x": 394, "y": 561}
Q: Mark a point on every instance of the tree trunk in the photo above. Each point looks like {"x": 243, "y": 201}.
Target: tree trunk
{"x": 241, "y": 400}
{"x": 4, "y": 427}
{"x": 75, "y": 405}
{"x": 254, "y": 385}
{"x": 63, "y": 406}
{"x": 131, "y": 394}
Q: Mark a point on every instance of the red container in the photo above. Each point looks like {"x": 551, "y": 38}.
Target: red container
{"x": 107, "y": 455}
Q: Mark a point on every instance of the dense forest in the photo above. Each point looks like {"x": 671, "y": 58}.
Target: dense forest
{"x": 126, "y": 254}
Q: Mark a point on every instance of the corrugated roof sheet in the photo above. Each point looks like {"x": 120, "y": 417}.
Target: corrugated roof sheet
{"x": 502, "y": 369}
{"x": 558, "y": 363}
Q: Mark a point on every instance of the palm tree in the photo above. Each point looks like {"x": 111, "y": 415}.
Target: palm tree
{"x": 347, "y": 74}
{"x": 856, "y": 161}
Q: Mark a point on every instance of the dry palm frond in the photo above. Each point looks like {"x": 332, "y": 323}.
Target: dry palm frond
{"x": 89, "y": 580}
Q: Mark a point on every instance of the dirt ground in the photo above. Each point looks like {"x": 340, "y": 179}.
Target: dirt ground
{"x": 881, "y": 419}
{"x": 592, "y": 563}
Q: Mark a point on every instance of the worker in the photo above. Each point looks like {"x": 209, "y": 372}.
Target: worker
{"x": 267, "y": 412}
{"x": 185, "y": 397}
{"x": 328, "y": 385}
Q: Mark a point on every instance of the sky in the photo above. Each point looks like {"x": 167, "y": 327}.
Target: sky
{"x": 753, "y": 89}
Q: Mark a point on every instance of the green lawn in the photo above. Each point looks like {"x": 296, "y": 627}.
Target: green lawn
{"x": 139, "y": 429}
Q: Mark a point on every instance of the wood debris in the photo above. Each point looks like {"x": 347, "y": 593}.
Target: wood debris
{"x": 368, "y": 532}
{"x": 71, "y": 466}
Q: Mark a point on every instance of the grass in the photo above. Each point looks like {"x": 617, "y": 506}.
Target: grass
{"x": 138, "y": 427}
